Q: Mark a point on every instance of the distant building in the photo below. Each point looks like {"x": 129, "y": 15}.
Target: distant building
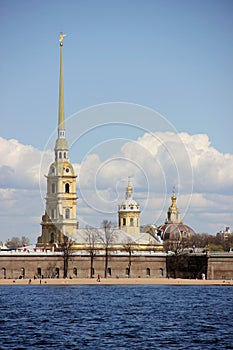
{"x": 3, "y": 247}
{"x": 173, "y": 229}
{"x": 225, "y": 234}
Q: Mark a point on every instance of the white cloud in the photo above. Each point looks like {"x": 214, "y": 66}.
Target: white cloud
{"x": 21, "y": 203}
{"x": 20, "y": 209}
{"x": 203, "y": 177}
{"x": 213, "y": 171}
{"x": 20, "y": 165}
{"x": 156, "y": 162}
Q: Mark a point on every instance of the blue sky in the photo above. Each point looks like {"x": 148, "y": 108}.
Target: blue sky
{"x": 175, "y": 57}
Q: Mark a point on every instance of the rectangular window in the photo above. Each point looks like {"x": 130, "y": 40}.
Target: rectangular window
{"x": 53, "y": 213}
{"x": 67, "y": 213}
{"x": 53, "y": 188}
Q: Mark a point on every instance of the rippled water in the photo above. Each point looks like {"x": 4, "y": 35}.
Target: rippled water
{"x": 116, "y": 317}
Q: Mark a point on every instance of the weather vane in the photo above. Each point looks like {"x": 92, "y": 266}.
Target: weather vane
{"x": 61, "y": 38}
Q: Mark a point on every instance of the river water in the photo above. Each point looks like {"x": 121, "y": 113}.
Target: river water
{"x": 116, "y": 317}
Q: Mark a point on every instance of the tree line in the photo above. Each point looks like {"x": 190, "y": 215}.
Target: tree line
{"x": 17, "y": 242}
{"x": 203, "y": 241}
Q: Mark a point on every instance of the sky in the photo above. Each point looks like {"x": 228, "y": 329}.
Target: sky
{"x": 148, "y": 94}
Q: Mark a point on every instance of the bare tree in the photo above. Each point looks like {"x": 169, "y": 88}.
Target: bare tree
{"x": 66, "y": 248}
{"x": 209, "y": 242}
{"x": 128, "y": 248}
{"x": 16, "y": 242}
{"x": 91, "y": 238}
{"x": 50, "y": 270}
{"x": 107, "y": 239}
{"x": 173, "y": 246}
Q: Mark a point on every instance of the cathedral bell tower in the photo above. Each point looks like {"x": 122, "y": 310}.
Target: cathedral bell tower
{"x": 60, "y": 213}
{"x": 129, "y": 212}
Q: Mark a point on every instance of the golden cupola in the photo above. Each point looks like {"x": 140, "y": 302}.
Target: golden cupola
{"x": 129, "y": 212}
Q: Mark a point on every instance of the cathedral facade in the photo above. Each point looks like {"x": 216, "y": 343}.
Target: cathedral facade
{"x": 60, "y": 219}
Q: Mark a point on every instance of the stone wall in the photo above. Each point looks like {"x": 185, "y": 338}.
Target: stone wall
{"x": 51, "y": 265}
{"x": 187, "y": 266}
{"x": 220, "y": 266}
{"x": 14, "y": 265}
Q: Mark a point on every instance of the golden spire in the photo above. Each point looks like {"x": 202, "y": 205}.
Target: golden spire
{"x": 173, "y": 197}
{"x": 61, "y": 117}
{"x": 61, "y": 146}
{"x": 129, "y": 190}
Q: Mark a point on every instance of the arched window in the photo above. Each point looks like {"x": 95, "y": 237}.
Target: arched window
{"x": 57, "y": 272}
{"x": 67, "y": 188}
{"x": 131, "y": 221}
{"x": 52, "y": 238}
{"x": 22, "y": 272}
{"x": 64, "y": 154}
{"x": 124, "y": 221}
{"x": 147, "y": 272}
{"x": 60, "y": 155}
{"x": 3, "y": 272}
{"x": 75, "y": 272}
{"x": 67, "y": 213}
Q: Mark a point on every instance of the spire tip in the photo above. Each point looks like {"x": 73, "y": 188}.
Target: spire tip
{"x": 61, "y": 38}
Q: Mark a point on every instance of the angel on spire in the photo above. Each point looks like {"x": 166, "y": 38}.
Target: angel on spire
{"x": 62, "y": 36}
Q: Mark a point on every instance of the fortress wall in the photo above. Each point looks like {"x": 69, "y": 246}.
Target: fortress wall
{"x": 220, "y": 266}
{"x": 141, "y": 266}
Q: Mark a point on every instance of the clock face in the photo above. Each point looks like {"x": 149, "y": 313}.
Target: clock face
{"x": 67, "y": 170}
